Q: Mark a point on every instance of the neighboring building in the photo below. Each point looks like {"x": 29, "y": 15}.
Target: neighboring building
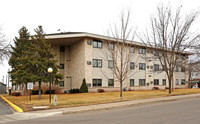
{"x": 82, "y": 55}
{"x": 2, "y": 88}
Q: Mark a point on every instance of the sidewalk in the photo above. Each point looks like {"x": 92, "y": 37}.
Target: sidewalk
{"x": 61, "y": 111}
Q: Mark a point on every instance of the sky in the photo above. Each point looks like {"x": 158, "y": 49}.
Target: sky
{"x": 93, "y": 16}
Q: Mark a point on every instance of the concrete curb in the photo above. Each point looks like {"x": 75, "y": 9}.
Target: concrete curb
{"x": 18, "y": 109}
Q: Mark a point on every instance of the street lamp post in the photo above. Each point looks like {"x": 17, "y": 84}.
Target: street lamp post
{"x": 50, "y": 70}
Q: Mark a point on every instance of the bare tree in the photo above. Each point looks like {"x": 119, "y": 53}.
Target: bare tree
{"x": 119, "y": 54}
{"x": 4, "y": 47}
{"x": 170, "y": 36}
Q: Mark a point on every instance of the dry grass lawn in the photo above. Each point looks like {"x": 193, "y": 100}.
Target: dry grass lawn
{"x": 69, "y": 100}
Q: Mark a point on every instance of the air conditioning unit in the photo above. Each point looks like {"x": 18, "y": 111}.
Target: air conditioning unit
{"x": 89, "y": 42}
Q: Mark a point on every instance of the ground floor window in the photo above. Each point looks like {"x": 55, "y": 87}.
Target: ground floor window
{"x": 177, "y": 82}
{"x": 61, "y": 84}
{"x": 97, "y": 82}
{"x": 132, "y": 82}
{"x": 164, "y": 82}
{"x": 141, "y": 82}
{"x": 156, "y": 81}
{"x": 182, "y": 81}
{"x": 110, "y": 82}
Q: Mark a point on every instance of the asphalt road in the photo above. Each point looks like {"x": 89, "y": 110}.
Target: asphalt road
{"x": 4, "y": 108}
{"x": 185, "y": 111}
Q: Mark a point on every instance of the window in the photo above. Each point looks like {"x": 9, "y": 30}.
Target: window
{"x": 97, "y": 82}
{"x": 141, "y": 82}
{"x": 61, "y": 83}
{"x": 62, "y": 66}
{"x": 142, "y": 66}
{"x": 97, "y": 63}
{"x": 156, "y": 67}
{"x": 164, "y": 82}
{"x": 182, "y": 69}
{"x": 132, "y": 65}
{"x": 110, "y": 82}
{"x": 156, "y": 81}
{"x": 142, "y": 50}
{"x": 111, "y": 46}
{"x": 132, "y": 83}
{"x": 177, "y": 82}
{"x": 89, "y": 84}
{"x": 155, "y": 53}
{"x": 62, "y": 48}
{"x": 97, "y": 44}
{"x": 132, "y": 50}
{"x": 176, "y": 68}
{"x": 110, "y": 64}
{"x": 182, "y": 81}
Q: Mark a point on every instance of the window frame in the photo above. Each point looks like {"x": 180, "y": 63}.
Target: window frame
{"x": 132, "y": 82}
{"x": 62, "y": 66}
{"x": 141, "y": 82}
{"x": 164, "y": 80}
{"x": 156, "y": 82}
{"x": 142, "y": 50}
{"x": 156, "y": 67}
{"x": 132, "y": 49}
{"x": 110, "y": 64}
{"x": 132, "y": 65}
{"x": 182, "y": 83}
{"x": 97, "y": 60}
{"x": 143, "y": 66}
{"x": 62, "y": 48}
{"x": 62, "y": 85}
{"x": 112, "y": 82}
{"x": 177, "y": 81}
{"x": 111, "y": 46}
{"x": 98, "y": 42}
{"x": 97, "y": 83}
{"x": 182, "y": 69}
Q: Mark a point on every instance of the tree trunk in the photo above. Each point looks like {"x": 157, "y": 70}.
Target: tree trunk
{"x": 26, "y": 89}
{"x": 170, "y": 86}
{"x": 121, "y": 90}
{"x": 39, "y": 90}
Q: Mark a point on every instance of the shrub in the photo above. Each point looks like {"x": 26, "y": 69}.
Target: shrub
{"x": 166, "y": 87}
{"x": 100, "y": 90}
{"x": 48, "y": 92}
{"x": 15, "y": 94}
{"x": 36, "y": 92}
{"x": 155, "y": 88}
{"x": 74, "y": 91}
{"x": 84, "y": 87}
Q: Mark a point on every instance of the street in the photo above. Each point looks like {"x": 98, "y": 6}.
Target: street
{"x": 4, "y": 109}
{"x": 186, "y": 111}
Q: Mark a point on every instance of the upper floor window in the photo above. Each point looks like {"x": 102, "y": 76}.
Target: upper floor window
{"x": 97, "y": 63}
{"x": 141, "y": 82}
{"x": 155, "y": 53}
{"x": 132, "y": 82}
{"x": 110, "y": 82}
{"x": 142, "y": 50}
{"x": 156, "y": 81}
{"x": 177, "y": 69}
{"x": 142, "y": 66}
{"x": 132, "y": 49}
{"x": 62, "y": 48}
{"x": 110, "y": 64}
{"x": 156, "y": 67}
{"x": 111, "y": 46}
{"x": 97, "y": 82}
{"x": 182, "y": 69}
{"x": 164, "y": 82}
{"x": 132, "y": 65}
{"x": 97, "y": 44}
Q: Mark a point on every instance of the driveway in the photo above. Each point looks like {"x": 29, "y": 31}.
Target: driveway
{"x": 4, "y": 108}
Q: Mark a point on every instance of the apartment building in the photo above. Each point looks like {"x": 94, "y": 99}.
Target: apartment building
{"x": 82, "y": 55}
